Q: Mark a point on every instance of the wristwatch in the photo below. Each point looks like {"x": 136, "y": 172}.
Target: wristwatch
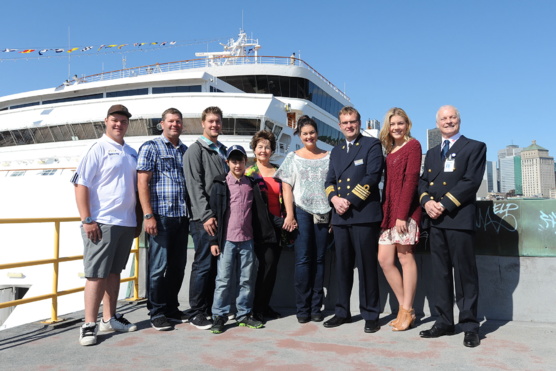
{"x": 88, "y": 220}
{"x": 148, "y": 216}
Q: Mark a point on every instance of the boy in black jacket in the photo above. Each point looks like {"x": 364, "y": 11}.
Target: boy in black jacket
{"x": 242, "y": 217}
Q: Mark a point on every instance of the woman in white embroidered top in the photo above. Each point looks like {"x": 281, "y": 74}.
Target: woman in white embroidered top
{"x": 302, "y": 174}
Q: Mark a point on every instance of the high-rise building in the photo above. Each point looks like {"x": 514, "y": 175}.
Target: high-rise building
{"x": 537, "y": 169}
{"x": 508, "y": 170}
{"x": 492, "y": 176}
{"x": 434, "y": 138}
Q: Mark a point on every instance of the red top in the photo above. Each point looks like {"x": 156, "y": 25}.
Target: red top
{"x": 273, "y": 195}
{"x": 400, "y": 199}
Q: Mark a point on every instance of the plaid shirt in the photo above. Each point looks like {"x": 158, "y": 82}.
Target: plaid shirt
{"x": 167, "y": 185}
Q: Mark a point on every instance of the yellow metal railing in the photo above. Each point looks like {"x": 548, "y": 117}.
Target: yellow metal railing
{"x": 55, "y": 261}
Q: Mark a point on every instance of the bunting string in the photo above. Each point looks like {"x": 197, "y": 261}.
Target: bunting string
{"x": 14, "y": 54}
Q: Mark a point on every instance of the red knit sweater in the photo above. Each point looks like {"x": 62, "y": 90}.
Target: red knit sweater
{"x": 400, "y": 199}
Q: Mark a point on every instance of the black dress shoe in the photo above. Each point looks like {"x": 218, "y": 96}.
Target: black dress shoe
{"x": 336, "y": 321}
{"x": 317, "y": 317}
{"x": 371, "y": 326}
{"x": 436, "y": 331}
{"x": 303, "y": 319}
{"x": 471, "y": 339}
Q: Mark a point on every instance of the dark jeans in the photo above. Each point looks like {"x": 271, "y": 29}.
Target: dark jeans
{"x": 203, "y": 272}
{"x": 310, "y": 250}
{"x": 167, "y": 259}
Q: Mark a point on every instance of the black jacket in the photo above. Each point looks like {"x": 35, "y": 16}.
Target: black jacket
{"x": 264, "y": 222}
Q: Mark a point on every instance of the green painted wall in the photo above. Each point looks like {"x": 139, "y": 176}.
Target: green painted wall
{"x": 513, "y": 228}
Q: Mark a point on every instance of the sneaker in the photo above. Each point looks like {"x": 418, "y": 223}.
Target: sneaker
{"x": 249, "y": 321}
{"x": 231, "y": 316}
{"x": 117, "y": 323}
{"x": 161, "y": 323}
{"x": 88, "y": 333}
{"x": 218, "y": 325}
{"x": 177, "y": 317}
{"x": 201, "y": 322}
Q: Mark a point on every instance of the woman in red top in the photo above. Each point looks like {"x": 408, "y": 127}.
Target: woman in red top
{"x": 263, "y": 145}
{"x": 400, "y": 226}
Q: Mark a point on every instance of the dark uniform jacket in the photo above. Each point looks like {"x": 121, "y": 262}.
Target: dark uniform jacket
{"x": 264, "y": 222}
{"x": 456, "y": 190}
{"x": 355, "y": 175}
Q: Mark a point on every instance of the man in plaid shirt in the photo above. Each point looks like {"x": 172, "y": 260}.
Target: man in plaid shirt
{"x": 162, "y": 192}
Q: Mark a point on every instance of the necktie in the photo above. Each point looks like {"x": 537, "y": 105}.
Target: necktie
{"x": 445, "y": 149}
{"x": 349, "y": 147}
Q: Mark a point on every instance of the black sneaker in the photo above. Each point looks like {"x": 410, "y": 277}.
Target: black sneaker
{"x": 249, "y": 321}
{"x": 88, "y": 334}
{"x": 177, "y": 317}
{"x": 201, "y": 322}
{"x": 218, "y": 325}
{"x": 161, "y": 323}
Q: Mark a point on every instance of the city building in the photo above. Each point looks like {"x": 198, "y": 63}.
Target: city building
{"x": 537, "y": 169}
{"x": 434, "y": 138}
{"x": 492, "y": 177}
{"x": 509, "y": 165}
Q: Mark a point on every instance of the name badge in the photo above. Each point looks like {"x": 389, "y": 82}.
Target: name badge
{"x": 358, "y": 162}
{"x": 113, "y": 152}
{"x": 449, "y": 165}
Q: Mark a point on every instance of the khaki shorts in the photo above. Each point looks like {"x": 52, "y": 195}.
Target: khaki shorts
{"x": 110, "y": 254}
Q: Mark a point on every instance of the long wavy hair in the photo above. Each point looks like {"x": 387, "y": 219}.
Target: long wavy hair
{"x": 385, "y": 137}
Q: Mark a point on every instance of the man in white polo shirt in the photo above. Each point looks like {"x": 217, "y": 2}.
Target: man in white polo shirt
{"x": 105, "y": 191}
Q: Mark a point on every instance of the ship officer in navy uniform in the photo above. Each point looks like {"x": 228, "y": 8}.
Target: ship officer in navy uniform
{"x": 352, "y": 188}
{"x": 447, "y": 190}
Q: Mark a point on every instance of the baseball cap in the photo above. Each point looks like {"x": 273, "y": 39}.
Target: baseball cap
{"x": 235, "y": 148}
{"x": 119, "y": 109}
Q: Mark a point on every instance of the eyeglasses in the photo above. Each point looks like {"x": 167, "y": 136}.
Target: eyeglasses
{"x": 353, "y": 122}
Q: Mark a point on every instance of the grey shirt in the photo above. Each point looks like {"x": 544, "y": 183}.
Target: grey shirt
{"x": 200, "y": 165}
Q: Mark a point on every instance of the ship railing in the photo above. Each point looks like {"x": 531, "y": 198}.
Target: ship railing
{"x": 55, "y": 261}
{"x": 205, "y": 62}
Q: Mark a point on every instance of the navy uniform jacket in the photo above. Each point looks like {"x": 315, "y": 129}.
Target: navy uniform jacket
{"x": 455, "y": 190}
{"x": 355, "y": 176}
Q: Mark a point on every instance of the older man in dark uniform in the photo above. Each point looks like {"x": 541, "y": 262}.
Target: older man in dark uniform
{"x": 352, "y": 188}
{"x": 452, "y": 175}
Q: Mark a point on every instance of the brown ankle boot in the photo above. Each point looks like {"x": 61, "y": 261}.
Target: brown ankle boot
{"x": 395, "y": 321}
{"x": 406, "y": 320}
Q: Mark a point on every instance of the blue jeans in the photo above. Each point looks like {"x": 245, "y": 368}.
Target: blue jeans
{"x": 166, "y": 266}
{"x": 203, "y": 272}
{"x": 310, "y": 249}
{"x": 238, "y": 257}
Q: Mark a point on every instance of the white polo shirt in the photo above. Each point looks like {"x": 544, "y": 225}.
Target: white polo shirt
{"x": 108, "y": 170}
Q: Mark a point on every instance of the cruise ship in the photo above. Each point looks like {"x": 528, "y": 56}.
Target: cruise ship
{"x": 43, "y": 134}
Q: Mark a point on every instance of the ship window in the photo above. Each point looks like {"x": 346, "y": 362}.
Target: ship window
{"x": 239, "y": 126}
{"x": 177, "y": 89}
{"x": 73, "y": 99}
{"x": 127, "y": 93}
{"x": 268, "y": 125}
{"x": 48, "y": 172}
{"x": 42, "y": 135}
{"x": 281, "y": 86}
{"x": 24, "y": 105}
{"x": 192, "y": 126}
{"x": 17, "y": 173}
{"x": 215, "y": 90}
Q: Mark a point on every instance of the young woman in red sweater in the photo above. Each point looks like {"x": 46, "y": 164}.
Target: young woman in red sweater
{"x": 400, "y": 226}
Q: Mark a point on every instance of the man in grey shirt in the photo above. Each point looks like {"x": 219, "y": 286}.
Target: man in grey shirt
{"x": 204, "y": 160}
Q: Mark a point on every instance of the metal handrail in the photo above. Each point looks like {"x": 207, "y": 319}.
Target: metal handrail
{"x": 55, "y": 262}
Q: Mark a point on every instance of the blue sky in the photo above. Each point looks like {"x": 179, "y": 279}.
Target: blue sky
{"x": 493, "y": 59}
